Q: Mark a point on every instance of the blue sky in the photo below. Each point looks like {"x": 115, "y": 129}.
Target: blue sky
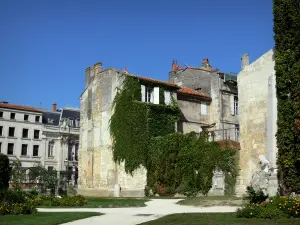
{"x": 46, "y": 45}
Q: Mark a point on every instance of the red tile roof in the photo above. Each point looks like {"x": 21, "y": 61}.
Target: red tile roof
{"x": 192, "y": 92}
{"x": 155, "y": 81}
{"x": 18, "y": 107}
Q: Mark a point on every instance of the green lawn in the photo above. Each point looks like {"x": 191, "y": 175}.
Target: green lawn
{"x": 212, "y": 201}
{"x": 216, "y": 219}
{"x": 42, "y": 218}
{"x": 96, "y": 202}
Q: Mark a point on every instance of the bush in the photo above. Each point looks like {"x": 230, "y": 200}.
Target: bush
{"x": 12, "y": 196}
{"x": 77, "y": 200}
{"x": 17, "y": 208}
{"x": 290, "y": 207}
{"x": 263, "y": 211}
{"x": 4, "y": 171}
{"x": 255, "y": 196}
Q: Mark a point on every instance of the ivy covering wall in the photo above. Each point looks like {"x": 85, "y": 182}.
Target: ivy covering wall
{"x": 134, "y": 123}
{"x": 287, "y": 67}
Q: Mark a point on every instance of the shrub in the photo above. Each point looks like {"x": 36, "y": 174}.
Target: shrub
{"x": 290, "y": 207}
{"x": 77, "y": 200}
{"x": 264, "y": 211}
{"x": 12, "y": 196}
{"x": 4, "y": 171}
{"x": 255, "y": 196}
{"x": 17, "y": 208}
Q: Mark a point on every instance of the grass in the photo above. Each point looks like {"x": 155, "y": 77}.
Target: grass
{"x": 216, "y": 219}
{"x": 96, "y": 202}
{"x": 212, "y": 201}
{"x": 42, "y": 218}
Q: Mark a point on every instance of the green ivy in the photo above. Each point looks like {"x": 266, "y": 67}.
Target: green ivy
{"x": 287, "y": 67}
{"x": 134, "y": 123}
{"x": 4, "y": 171}
{"x": 183, "y": 163}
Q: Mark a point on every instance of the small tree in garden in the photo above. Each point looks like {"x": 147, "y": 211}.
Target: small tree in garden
{"x": 17, "y": 175}
{"x": 4, "y": 171}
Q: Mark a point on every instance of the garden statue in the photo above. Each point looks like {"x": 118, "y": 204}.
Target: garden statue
{"x": 260, "y": 179}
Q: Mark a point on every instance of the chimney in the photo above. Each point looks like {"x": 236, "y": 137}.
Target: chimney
{"x": 54, "y": 107}
{"x": 205, "y": 63}
{"x": 245, "y": 60}
{"x": 125, "y": 70}
{"x": 98, "y": 67}
{"x": 174, "y": 66}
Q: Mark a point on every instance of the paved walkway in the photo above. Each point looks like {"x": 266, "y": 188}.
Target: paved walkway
{"x": 155, "y": 209}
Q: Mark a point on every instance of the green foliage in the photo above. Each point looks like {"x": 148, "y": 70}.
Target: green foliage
{"x": 46, "y": 179}
{"x": 4, "y": 171}
{"x": 275, "y": 208}
{"x": 77, "y": 200}
{"x": 255, "y": 196}
{"x": 17, "y": 174}
{"x": 185, "y": 164}
{"x": 13, "y": 196}
{"x": 287, "y": 67}
{"x": 134, "y": 123}
{"x": 17, "y": 208}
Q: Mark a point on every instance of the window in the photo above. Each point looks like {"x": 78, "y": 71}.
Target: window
{"x": 77, "y": 123}
{"x": 1, "y": 130}
{"x": 35, "y": 150}
{"x": 70, "y": 122}
{"x": 0, "y": 146}
{"x": 10, "y": 149}
{"x": 237, "y": 132}
{"x": 25, "y": 133}
{"x": 235, "y": 106}
{"x": 51, "y": 149}
{"x": 26, "y": 117}
{"x": 37, "y": 118}
{"x": 12, "y": 116}
{"x": 203, "y": 109}
{"x": 148, "y": 94}
{"x": 11, "y": 132}
{"x": 36, "y": 134}
{"x": 1, "y": 114}
{"x": 24, "y": 149}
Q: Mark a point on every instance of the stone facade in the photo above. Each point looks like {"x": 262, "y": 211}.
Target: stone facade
{"x": 257, "y": 118}
{"x": 99, "y": 175}
{"x": 222, "y": 116}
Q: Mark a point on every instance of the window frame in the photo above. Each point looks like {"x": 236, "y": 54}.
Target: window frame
{"x": 51, "y": 149}
{"x": 13, "y": 146}
{"x": 35, "y": 148}
{"x": 14, "y": 131}
{"x": 26, "y": 116}
{"x": 34, "y": 132}
{"x": 12, "y": 116}
{"x": 26, "y": 145}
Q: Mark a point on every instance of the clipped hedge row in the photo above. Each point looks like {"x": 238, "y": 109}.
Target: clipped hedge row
{"x": 72, "y": 201}
{"x": 17, "y": 208}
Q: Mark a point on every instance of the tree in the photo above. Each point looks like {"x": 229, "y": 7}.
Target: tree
{"x": 287, "y": 67}
{"x": 4, "y": 172}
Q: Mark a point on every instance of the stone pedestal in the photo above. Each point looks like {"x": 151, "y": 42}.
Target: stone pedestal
{"x": 273, "y": 184}
{"x": 117, "y": 190}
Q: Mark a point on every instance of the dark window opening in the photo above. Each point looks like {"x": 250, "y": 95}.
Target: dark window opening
{"x": 10, "y": 149}
{"x": 1, "y": 130}
{"x": 25, "y": 133}
{"x": 0, "y": 146}
{"x": 26, "y": 117}
{"x": 12, "y": 116}
{"x": 1, "y": 114}
{"x": 24, "y": 149}
{"x": 35, "y": 150}
{"x": 11, "y": 132}
{"x": 37, "y": 118}
{"x": 36, "y": 134}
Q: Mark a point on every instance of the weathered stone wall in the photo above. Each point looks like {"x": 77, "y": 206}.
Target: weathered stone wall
{"x": 98, "y": 173}
{"x": 253, "y": 100}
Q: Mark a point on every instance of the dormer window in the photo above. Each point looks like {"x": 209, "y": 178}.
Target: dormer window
{"x": 50, "y": 120}
{"x": 70, "y": 122}
{"x": 77, "y": 123}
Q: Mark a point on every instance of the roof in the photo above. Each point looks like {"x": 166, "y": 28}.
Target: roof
{"x": 189, "y": 91}
{"x": 19, "y": 107}
{"x": 51, "y": 118}
{"x": 155, "y": 81}
{"x": 70, "y": 113}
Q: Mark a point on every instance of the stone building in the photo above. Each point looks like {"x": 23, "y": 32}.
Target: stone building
{"x": 61, "y": 140}
{"x": 40, "y": 136}
{"x": 98, "y": 173}
{"x": 21, "y": 133}
{"x": 257, "y": 118}
{"x": 222, "y": 119}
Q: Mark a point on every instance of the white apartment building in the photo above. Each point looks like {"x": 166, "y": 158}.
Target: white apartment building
{"x": 49, "y": 137}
